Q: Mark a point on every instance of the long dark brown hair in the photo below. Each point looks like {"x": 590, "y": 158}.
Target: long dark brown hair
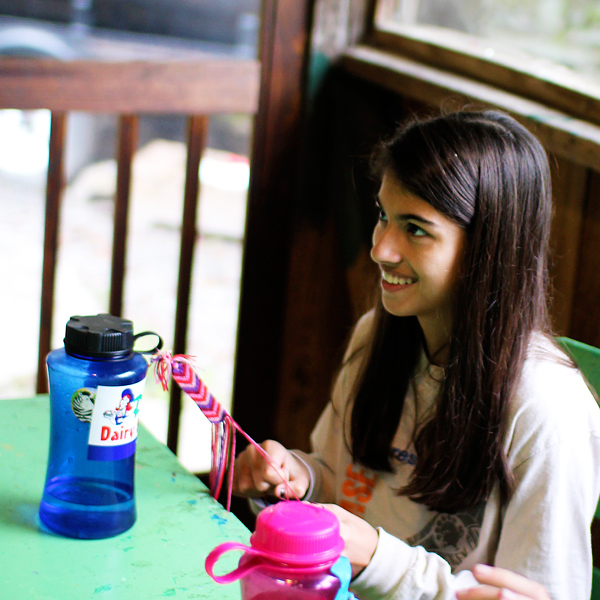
{"x": 490, "y": 175}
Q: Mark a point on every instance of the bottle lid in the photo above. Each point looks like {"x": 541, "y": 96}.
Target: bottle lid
{"x": 297, "y": 533}
{"x": 99, "y": 336}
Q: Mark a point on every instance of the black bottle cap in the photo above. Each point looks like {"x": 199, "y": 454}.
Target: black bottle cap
{"x": 99, "y": 336}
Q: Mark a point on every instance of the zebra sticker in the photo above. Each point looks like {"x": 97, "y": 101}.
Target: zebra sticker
{"x": 82, "y": 404}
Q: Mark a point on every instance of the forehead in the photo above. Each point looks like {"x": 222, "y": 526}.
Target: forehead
{"x": 397, "y": 200}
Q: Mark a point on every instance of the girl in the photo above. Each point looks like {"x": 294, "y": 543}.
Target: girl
{"x": 458, "y": 433}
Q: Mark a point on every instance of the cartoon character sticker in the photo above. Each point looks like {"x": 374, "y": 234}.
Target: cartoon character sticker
{"x": 122, "y": 410}
{"x": 114, "y": 424}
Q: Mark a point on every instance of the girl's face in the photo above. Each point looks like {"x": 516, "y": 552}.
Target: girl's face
{"x": 419, "y": 252}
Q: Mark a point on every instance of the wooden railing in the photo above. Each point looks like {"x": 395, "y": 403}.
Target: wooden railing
{"x": 195, "y": 88}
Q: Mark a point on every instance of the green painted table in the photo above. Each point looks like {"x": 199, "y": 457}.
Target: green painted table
{"x": 161, "y": 556}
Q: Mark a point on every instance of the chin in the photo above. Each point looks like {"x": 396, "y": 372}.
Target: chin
{"x": 398, "y": 311}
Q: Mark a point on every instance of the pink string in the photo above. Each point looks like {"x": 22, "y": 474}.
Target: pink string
{"x": 181, "y": 368}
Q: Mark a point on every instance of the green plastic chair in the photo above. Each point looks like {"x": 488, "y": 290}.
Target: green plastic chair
{"x": 587, "y": 359}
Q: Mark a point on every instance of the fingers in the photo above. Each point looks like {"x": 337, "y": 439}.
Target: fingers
{"x": 487, "y": 592}
{"x": 254, "y": 470}
{"x": 503, "y": 578}
{"x": 254, "y": 475}
{"x": 292, "y": 489}
{"x": 502, "y": 584}
{"x": 360, "y": 538}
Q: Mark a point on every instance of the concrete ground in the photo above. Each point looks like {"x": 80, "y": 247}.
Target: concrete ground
{"x": 82, "y": 282}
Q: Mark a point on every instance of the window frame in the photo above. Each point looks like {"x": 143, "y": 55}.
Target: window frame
{"x": 534, "y": 78}
{"x": 440, "y": 66}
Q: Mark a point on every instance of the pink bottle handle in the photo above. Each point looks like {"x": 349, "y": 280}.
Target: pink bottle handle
{"x": 236, "y": 574}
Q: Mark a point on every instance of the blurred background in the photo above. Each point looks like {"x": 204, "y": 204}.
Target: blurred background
{"x": 118, "y": 30}
{"x": 560, "y": 32}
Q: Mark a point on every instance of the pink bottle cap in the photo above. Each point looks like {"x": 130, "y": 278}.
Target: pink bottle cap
{"x": 297, "y": 533}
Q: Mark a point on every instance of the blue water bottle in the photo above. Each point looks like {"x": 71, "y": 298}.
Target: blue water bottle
{"x": 96, "y": 384}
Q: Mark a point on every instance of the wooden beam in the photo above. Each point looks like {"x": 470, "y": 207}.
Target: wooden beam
{"x": 207, "y": 86}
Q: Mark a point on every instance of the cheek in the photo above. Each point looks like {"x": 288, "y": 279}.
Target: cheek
{"x": 452, "y": 268}
{"x": 441, "y": 270}
{"x": 438, "y": 282}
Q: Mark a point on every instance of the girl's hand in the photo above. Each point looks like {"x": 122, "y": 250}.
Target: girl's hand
{"x": 359, "y": 537}
{"x": 253, "y": 476}
{"x": 502, "y": 584}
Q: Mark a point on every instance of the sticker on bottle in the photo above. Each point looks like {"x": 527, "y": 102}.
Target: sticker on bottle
{"x": 114, "y": 424}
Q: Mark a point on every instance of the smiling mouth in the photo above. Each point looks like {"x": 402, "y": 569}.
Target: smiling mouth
{"x": 397, "y": 280}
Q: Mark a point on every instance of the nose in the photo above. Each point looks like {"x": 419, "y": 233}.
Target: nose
{"x": 386, "y": 249}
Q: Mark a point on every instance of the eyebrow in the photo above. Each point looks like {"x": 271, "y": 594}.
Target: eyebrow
{"x": 413, "y": 217}
{"x": 409, "y": 216}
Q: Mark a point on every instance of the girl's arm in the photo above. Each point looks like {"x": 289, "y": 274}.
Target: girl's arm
{"x": 543, "y": 535}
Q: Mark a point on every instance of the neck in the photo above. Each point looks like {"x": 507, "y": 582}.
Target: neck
{"x": 436, "y": 333}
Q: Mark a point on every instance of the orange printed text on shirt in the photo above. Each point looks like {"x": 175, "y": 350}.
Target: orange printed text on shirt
{"x": 357, "y": 489}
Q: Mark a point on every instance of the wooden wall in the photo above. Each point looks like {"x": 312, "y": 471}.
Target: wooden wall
{"x": 585, "y": 310}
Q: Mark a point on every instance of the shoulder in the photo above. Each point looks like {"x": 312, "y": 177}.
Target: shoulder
{"x": 353, "y": 359}
{"x": 552, "y": 404}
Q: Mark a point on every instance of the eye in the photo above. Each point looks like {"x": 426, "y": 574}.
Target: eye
{"x": 381, "y": 216}
{"x": 415, "y": 230}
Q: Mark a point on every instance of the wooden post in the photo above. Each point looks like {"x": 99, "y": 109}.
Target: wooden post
{"x": 197, "y": 134}
{"x": 54, "y": 188}
{"x": 283, "y": 55}
{"x": 128, "y": 128}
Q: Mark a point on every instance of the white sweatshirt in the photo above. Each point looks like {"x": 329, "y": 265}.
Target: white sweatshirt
{"x": 553, "y": 448}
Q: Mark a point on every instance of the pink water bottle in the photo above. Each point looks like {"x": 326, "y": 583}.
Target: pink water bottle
{"x": 294, "y": 554}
